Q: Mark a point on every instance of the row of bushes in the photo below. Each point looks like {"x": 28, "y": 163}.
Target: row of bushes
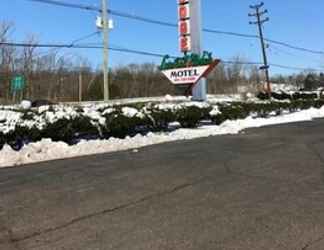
{"x": 293, "y": 96}
{"x": 239, "y": 110}
{"x": 121, "y": 121}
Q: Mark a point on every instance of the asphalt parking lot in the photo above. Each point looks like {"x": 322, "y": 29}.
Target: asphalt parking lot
{"x": 262, "y": 189}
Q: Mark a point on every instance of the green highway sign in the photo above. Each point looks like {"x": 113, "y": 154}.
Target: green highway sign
{"x": 17, "y": 83}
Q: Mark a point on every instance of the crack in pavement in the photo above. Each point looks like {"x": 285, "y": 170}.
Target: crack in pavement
{"x": 321, "y": 159}
{"x": 260, "y": 177}
{"x": 314, "y": 150}
{"x": 309, "y": 244}
{"x": 110, "y": 210}
{"x": 9, "y": 239}
{"x": 318, "y": 155}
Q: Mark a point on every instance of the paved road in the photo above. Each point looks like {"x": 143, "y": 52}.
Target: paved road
{"x": 263, "y": 189}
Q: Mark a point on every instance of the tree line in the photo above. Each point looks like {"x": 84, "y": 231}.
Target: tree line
{"x": 56, "y": 76}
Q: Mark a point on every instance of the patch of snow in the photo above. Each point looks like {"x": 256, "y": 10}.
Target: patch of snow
{"x": 196, "y": 104}
{"x": 165, "y": 106}
{"x": 277, "y": 87}
{"x": 129, "y": 112}
{"x": 224, "y": 98}
{"x": 61, "y": 112}
{"x": 215, "y": 111}
{"x": 249, "y": 95}
{"x": 46, "y": 150}
{"x": 25, "y": 104}
{"x": 8, "y": 120}
{"x": 108, "y": 111}
{"x": 95, "y": 115}
{"x": 44, "y": 108}
{"x": 168, "y": 98}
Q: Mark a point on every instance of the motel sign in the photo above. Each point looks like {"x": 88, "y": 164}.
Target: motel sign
{"x": 188, "y": 75}
{"x": 191, "y": 70}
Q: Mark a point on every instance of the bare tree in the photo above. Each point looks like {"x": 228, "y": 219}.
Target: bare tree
{"x": 28, "y": 59}
{"x": 254, "y": 78}
{"x": 231, "y": 78}
{"x": 7, "y": 60}
{"x": 236, "y": 74}
{"x": 217, "y": 81}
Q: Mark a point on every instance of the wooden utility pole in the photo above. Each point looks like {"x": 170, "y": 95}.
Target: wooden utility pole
{"x": 105, "y": 49}
{"x": 80, "y": 83}
{"x": 258, "y": 14}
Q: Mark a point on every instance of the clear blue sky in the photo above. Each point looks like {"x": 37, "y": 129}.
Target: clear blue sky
{"x": 297, "y": 22}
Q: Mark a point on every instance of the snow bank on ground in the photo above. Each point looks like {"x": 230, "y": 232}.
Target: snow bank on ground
{"x": 284, "y": 87}
{"x": 227, "y": 98}
{"x": 167, "y": 98}
{"x": 46, "y": 150}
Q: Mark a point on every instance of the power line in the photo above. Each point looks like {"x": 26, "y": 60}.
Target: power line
{"x": 38, "y": 45}
{"x": 142, "y": 19}
{"x": 70, "y": 5}
{"x": 80, "y": 46}
{"x": 294, "y": 68}
{"x": 139, "y": 52}
{"x": 277, "y": 51}
{"x": 55, "y": 50}
{"x": 295, "y": 47}
{"x": 85, "y": 37}
{"x": 230, "y": 33}
{"x": 241, "y": 62}
{"x": 169, "y": 24}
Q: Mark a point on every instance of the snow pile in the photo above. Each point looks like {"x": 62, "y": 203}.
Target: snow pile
{"x": 46, "y": 150}
{"x": 59, "y": 113}
{"x": 225, "y": 98}
{"x": 95, "y": 115}
{"x": 25, "y": 104}
{"x": 277, "y": 87}
{"x": 215, "y": 111}
{"x": 132, "y": 112}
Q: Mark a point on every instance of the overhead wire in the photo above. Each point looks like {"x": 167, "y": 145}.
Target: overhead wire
{"x": 277, "y": 51}
{"x": 141, "y": 52}
{"x": 169, "y": 24}
{"x": 57, "y": 49}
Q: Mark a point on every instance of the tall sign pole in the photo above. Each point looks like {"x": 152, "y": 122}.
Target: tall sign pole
{"x": 190, "y": 29}
{"x": 105, "y": 49}
{"x": 199, "y": 92}
{"x": 191, "y": 70}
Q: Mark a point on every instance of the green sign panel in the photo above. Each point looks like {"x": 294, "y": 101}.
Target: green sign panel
{"x": 17, "y": 83}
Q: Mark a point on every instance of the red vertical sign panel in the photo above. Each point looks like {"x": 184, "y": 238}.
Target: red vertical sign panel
{"x": 184, "y": 25}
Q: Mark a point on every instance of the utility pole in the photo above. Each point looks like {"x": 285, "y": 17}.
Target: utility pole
{"x": 80, "y": 83}
{"x": 258, "y": 14}
{"x": 105, "y": 49}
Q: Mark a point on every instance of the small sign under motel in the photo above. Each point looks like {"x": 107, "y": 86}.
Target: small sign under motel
{"x": 188, "y": 75}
